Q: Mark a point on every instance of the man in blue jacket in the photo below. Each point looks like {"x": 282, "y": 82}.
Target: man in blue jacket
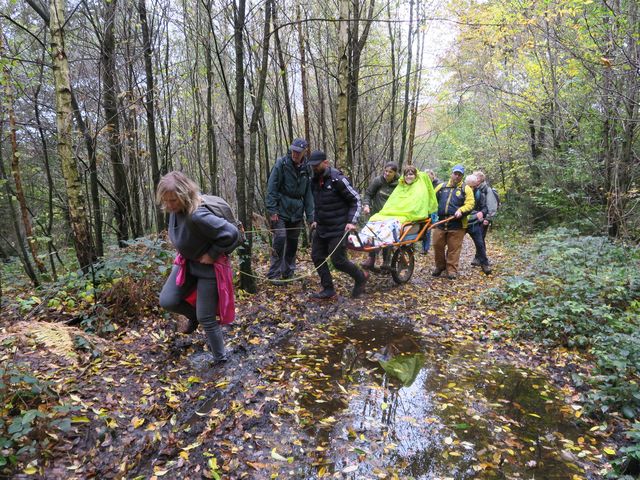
{"x": 289, "y": 199}
{"x": 455, "y": 199}
{"x": 337, "y": 208}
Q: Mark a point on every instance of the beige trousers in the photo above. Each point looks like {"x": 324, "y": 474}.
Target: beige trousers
{"x": 452, "y": 240}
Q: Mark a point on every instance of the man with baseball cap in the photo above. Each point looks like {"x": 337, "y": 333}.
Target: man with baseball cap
{"x": 455, "y": 199}
{"x": 289, "y": 199}
{"x": 337, "y": 208}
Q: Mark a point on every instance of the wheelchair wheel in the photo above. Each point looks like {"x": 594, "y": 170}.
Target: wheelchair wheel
{"x": 402, "y": 264}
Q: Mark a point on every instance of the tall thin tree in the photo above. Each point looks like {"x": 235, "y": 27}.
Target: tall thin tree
{"x": 64, "y": 115}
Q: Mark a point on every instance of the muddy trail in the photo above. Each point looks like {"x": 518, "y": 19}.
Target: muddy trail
{"x": 415, "y": 381}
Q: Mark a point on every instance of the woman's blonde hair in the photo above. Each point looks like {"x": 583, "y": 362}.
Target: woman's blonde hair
{"x": 186, "y": 190}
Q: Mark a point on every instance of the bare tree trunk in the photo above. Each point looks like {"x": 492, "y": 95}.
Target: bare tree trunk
{"x": 247, "y": 282}
{"x": 256, "y": 115}
{"x": 131, "y": 145}
{"x": 321, "y": 114}
{"x": 212, "y": 147}
{"x": 357, "y": 46}
{"x": 342, "y": 107}
{"x": 620, "y": 99}
{"x": 149, "y": 103}
{"x": 283, "y": 75}
{"x": 47, "y": 170}
{"x": 416, "y": 98}
{"x": 94, "y": 182}
{"x": 303, "y": 76}
{"x": 15, "y": 164}
{"x": 64, "y": 115}
{"x": 110, "y": 105}
{"x": 407, "y": 87}
{"x": 394, "y": 86}
{"x": 90, "y": 146}
{"x": 20, "y": 240}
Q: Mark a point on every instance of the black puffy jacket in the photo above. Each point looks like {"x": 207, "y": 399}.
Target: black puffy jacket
{"x": 336, "y": 203}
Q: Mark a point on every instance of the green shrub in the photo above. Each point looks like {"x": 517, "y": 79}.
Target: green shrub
{"x": 629, "y": 463}
{"x": 122, "y": 286}
{"x": 30, "y": 415}
{"x": 583, "y": 292}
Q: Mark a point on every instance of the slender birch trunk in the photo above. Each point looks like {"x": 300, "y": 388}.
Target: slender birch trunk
{"x": 64, "y": 124}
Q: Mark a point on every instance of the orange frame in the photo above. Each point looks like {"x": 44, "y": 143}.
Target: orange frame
{"x": 401, "y": 241}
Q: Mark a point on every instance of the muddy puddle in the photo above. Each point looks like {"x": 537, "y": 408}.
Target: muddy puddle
{"x": 378, "y": 400}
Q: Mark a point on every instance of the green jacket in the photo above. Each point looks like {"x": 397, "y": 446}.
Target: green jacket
{"x": 289, "y": 191}
{"x": 378, "y": 193}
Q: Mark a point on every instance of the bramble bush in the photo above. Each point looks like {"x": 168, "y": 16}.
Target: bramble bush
{"x": 31, "y": 416}
{"x": 583, "y": 292}
{"x": 121, "y": 287}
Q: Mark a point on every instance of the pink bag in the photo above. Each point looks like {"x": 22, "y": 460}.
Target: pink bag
{"x": 224, "y": 277}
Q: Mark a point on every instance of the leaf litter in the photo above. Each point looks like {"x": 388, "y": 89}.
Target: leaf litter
{"x": 413, "y": 381}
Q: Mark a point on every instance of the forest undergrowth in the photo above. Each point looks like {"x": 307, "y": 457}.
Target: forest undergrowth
{"x": 96, "y": 382}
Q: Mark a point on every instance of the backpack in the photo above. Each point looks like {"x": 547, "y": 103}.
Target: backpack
{"x": 220, "y": 208}
{"x": 493, "y": 201}
{"x": 497, "y": 195}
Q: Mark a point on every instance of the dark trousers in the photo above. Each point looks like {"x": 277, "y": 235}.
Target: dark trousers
{"x": 284, "y": 249}
{"x": 203, "y": 278}
{"x": 386, "y": 255}
{"x": 475, "y": 231}
{"x": 320, "y": 250}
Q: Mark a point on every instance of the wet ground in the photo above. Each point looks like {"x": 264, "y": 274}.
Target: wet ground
{"x": 454, "y": 412}
{"x": 416, "y": 381}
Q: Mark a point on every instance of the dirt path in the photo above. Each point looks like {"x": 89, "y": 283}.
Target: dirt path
{"x": 304, "y": 394}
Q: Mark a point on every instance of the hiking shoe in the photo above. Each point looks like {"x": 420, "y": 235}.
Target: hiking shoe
{"x": 186, "y": 326}
{"x": 326, "y": 294}
{"x": 214, "y": 362}
{"x": 452, "y": 276}
{"x": 475, "y": 262}
{"x": 437, "y": 272}
{"x": 358, "y": 288}
{"x": 486, "y": 269}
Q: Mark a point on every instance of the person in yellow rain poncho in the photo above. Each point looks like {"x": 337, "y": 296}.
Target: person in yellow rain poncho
{"x": 412, "y": 200}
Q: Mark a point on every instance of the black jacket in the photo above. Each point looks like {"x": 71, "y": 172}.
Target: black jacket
{"x": 336, "y": 203}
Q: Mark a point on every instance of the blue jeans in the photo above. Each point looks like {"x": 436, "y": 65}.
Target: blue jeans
{"x": 475, "y": 231}
{"x": 426, "y": 241}
{"x": 172, "y": 298}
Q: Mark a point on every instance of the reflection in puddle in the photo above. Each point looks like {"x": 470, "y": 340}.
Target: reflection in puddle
{"x": 451, "y": 412}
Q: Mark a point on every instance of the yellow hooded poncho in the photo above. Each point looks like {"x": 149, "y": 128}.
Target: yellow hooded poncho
{"x": 408, "y": 203}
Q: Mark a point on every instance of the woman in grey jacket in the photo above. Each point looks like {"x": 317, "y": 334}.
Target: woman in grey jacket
{"x": 199, "y": 236}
